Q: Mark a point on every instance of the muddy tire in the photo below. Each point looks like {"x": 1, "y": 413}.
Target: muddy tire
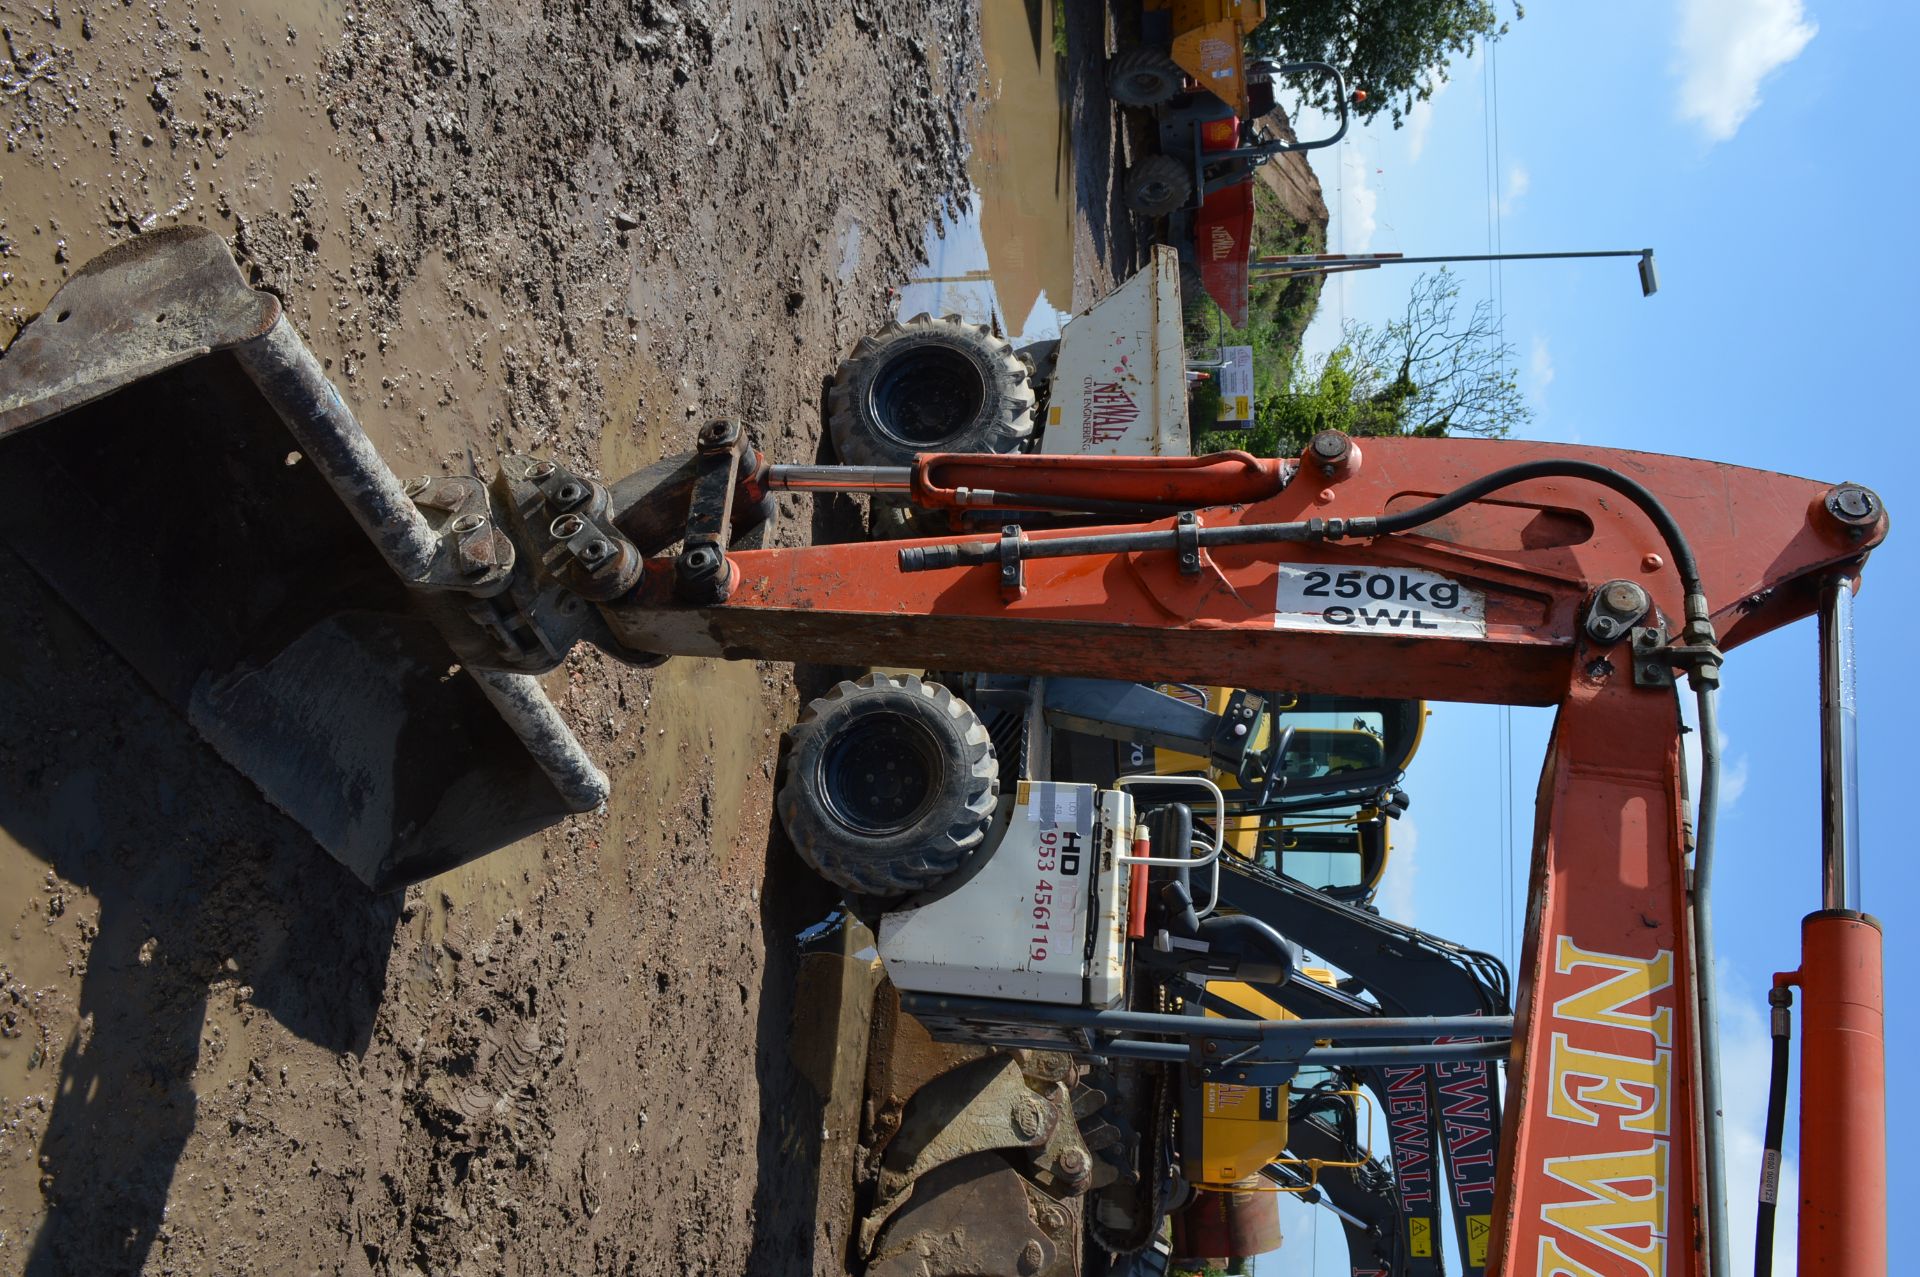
{"x": 1158, "y": 185}
{"x": 888, "y": 785}
{"x": 890, "y": 520}
{"x": 1143, "y": 76}
{"x": 928, "y": 385}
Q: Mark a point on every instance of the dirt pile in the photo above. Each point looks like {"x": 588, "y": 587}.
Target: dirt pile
{"x": 575, "y": 228}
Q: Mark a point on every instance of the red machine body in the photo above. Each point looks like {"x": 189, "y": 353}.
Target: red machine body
{"x": 1223, "y": 230}
{"x": 1843, "y": 1082}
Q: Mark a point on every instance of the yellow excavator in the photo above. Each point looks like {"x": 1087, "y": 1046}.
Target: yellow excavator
{"x": 1326, "y": 818}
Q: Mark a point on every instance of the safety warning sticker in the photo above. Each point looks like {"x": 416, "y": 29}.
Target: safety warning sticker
{"x": 1479, "y": 1230}
{"x": 1373, "y": 600}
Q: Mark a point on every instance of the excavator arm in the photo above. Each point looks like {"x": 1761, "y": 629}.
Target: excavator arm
{"x": 1517, "y": 573}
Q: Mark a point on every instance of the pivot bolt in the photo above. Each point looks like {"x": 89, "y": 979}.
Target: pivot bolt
{"x": 569, "y": 494}
{"x": 594, "y": 552}
{"x": 1617, "y": 607}
{"x": 719, "y": 435}
{"x": 1330, "y": 450}
{"x": 1854, "y": 505}
{"x": 1074, "y": 1163}
{"x": 1624, "y": 597}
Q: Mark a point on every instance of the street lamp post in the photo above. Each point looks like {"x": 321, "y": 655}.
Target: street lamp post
{"x": 1288, "y": 265}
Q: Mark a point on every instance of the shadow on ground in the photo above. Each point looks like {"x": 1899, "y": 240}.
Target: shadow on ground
{"x": 791, "y": 1192}
{"x": 197, "y": 879}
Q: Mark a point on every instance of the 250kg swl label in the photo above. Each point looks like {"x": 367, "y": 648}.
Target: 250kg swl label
{"x": 1372, "y": 600}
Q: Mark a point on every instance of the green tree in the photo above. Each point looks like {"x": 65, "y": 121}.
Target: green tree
{"x": 1430, "y": 372}
{"x": 1398, "y": 51}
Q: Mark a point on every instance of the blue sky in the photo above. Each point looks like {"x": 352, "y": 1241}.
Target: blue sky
{"x": 1760, "y": 147}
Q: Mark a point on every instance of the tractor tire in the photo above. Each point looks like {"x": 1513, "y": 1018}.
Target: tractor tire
{"x": 889, "y": 519}
{"x": 1157, "y": 186}
{"x": 888, "y": 786}
{"x": 928, "y": 385}
{"x": 1144, "y": 76}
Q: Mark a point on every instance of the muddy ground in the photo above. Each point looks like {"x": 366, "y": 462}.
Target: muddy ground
{"x": 573, "y": 228}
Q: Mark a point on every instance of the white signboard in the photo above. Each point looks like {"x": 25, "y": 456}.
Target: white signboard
{"x": 1373, "y": 600}
{"x": 1118, "y": 388}
{"x": 1236, "y": 383}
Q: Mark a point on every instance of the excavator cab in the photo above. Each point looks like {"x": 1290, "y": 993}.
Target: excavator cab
{"x": 1321, "y": 811}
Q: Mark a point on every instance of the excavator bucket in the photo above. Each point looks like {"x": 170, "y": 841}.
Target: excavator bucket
{"x": 177, "y": 469}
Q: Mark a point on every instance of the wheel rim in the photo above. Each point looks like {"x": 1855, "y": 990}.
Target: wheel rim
{"x": 879, "y": 777}
{"x": 1146, "y": 85}
{"x": 1153, "y": 193}
{"x": 926, "y": 396}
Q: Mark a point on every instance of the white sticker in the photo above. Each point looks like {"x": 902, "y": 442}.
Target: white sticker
{"x": 1371, "y": 600}
{"x": 1058, "y": 805}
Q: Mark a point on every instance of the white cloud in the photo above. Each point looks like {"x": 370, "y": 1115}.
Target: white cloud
{"x": 1733, "y": 778}
{"x": 1396, "y": 885}
{"x": 1519, "y": 182}
{"x": 1540, "y": 367}
{"x": 1359, "y": 202}
{"x": 1420, "y": 122}
{"x": 1724, "y": 49}
{"x": 1733, "y": 767}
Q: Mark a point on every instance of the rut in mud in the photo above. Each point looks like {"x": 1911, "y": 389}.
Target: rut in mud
{"x": 577, "y": 229}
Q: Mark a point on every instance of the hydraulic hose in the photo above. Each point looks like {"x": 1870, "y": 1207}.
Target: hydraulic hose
{"x": 928, "y": 558}
{"x": 1781, "y": 999}
{"x": 1549, "y": 468}
{"x": 1706, "y": 686}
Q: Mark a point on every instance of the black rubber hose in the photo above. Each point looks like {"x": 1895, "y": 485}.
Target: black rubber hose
{"x": 1782, "y": 1000}
{"x": 1550, "y": 468}
{"x": 927, "y": 558}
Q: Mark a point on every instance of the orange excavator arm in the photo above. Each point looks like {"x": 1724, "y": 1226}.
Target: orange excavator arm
{"x": 1579, "y": 577}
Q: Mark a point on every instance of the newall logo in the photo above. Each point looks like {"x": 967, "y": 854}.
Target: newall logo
{"x": 1106, "y": 412}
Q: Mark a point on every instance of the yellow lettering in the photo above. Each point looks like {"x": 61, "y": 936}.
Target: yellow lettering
{"x": 1607, "y": 1211}
{"x": 1634, "y": 980}
{"x": 1573, "y": 1100}
{"x": 1554, "y": 1263}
